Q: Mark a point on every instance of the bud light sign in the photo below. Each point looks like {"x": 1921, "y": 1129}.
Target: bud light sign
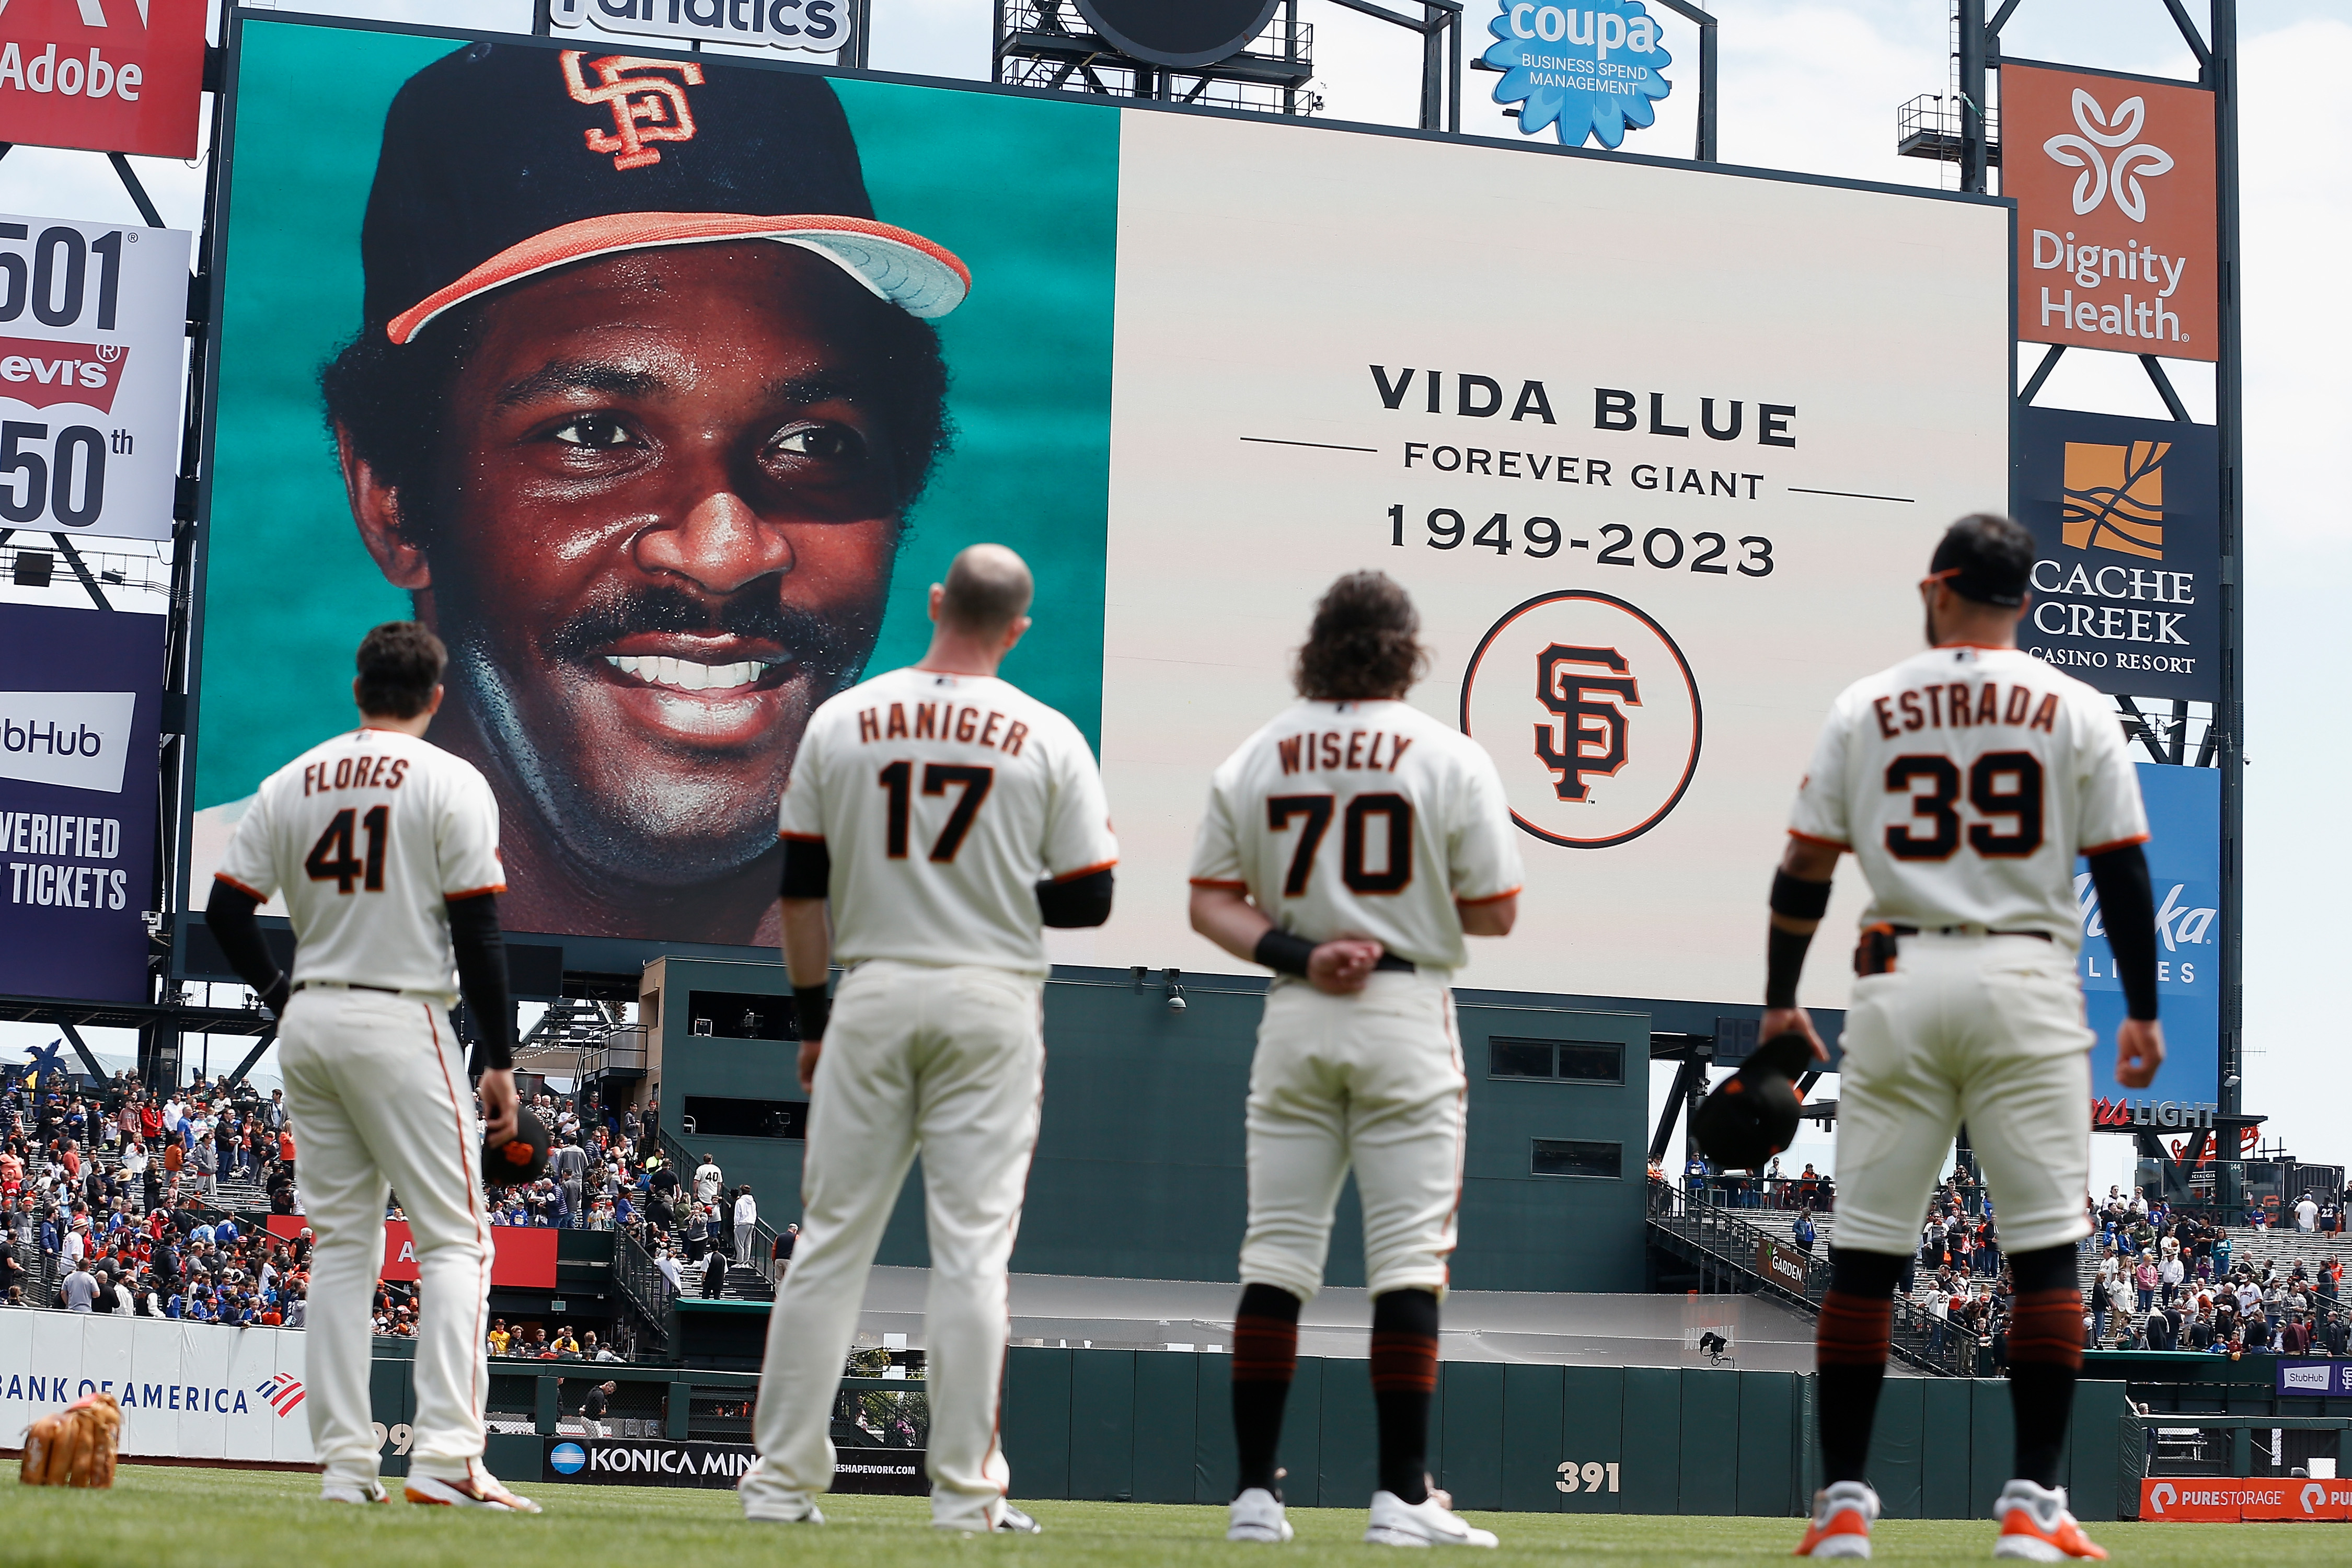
{"x": 1586, "y": 69}
{"x": 77, "y": 727}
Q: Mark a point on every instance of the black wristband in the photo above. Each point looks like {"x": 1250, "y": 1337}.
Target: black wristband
{"x": 276, "y": 995}
{"x": 812, "y": 1009}
{"x": 1283, "y": 952}
{"x": 1784, "y": 960}
{"x": 1798, "y": 899}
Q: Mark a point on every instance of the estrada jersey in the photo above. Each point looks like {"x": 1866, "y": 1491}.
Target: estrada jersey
{"x": 1965, "y": 780}
{"x": 1361, "y": 819}
{"x": 368, "y": 836}
{"x": 942, "y": 800}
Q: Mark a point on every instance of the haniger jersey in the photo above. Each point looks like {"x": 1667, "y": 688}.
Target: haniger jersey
{"x": 1361, "y": 819}
{"x": 942, "y": 800}
{"x": 368, "y": 836}
{"x": 1966, "y": 781}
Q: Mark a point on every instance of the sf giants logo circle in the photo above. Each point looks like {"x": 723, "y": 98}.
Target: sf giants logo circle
{"x": 1591, "y": 713}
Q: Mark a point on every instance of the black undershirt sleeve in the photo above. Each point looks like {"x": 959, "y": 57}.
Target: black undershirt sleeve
{"x": 1079, "y": 901}
{"x": 2128, "y": 909}
{"x": 482, "y": 972}
{"x": 230, "y": 915}
{"x": 808, "y": 869}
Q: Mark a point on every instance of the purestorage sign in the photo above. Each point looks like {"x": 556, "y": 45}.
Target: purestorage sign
{"x": 77, "y": 800}
{"x": 2114, "y": 178}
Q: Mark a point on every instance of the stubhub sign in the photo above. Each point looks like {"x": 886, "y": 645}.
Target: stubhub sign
{"x": 2315, "y": 1379}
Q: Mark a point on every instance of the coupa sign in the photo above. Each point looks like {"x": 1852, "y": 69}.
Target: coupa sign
{"x": 1588, "y": 70}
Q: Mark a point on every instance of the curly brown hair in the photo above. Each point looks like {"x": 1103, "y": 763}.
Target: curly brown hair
{"x": 1364, "y": 644}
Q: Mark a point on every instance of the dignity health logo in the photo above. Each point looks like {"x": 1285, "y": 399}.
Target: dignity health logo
{"x": 1589, "y": 70}
{"x": 2101, "y": 178}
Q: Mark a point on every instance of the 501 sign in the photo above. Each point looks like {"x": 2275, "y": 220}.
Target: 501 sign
{"x": 92, "y": 321}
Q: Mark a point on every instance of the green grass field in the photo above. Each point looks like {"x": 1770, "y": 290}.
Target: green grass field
{"x": 158, "y": 1516}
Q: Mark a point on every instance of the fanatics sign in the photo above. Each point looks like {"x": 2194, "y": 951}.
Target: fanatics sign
{"x": 114, "y": 76}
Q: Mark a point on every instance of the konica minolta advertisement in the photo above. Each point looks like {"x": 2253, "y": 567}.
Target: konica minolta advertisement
{"x": 79, "y": 701}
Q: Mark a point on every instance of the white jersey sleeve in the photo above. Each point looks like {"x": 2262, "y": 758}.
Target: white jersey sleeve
{"x": 250, "y": 862}
{"x": 1820, "y": 812}
{"x": 2113, "y": 815}
{"x": 1483, "y": 849}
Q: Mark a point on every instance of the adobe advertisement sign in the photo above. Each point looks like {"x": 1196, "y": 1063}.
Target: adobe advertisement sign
{"x": 114, "y": 76}
{"x": 2116, "y": 241}
{"x": 2184, "y": 867}
{"x": 93, "y": 323}
{"x": 1652, "y": 524}
{"x": 80, "y": 702}
{"x": 2127, "y": 593}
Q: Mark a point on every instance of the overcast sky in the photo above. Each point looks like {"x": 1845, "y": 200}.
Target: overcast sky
{"x": 1812, "y": 85}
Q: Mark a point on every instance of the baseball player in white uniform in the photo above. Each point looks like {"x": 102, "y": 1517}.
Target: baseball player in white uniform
{"x": 944, "y": 816}
{"x": 1349, "y": 846}
{"x": 387, "y": 850}
{"x": 1965, "y": 780}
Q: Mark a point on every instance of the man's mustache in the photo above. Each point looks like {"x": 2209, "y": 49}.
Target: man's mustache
{"x": 812, "y": 640}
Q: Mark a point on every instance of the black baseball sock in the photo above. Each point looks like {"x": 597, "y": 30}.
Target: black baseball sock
{"x": 1404, "y": 1375}
{"x": 1265, "y": 1358}
{"x": 1850, "y": 1356}
{"x": 2045, "y": 1357}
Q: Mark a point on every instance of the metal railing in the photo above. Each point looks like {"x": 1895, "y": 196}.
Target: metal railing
{"x": 1772, "y": 1265}
{"x": 762, "y": 1260}
{"x": 646, "y": 1289}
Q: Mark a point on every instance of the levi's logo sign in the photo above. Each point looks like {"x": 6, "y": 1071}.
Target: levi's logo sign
{"x": 38, "y": 372}
{"x": 647, "y": 105}
{"x": 2114, "y": 498}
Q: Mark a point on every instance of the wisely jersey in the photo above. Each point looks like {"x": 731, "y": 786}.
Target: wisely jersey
{"x": 1361, "y": 819}
{"x": 1966, "y": 781}
{"x": 368, "y": 836}
{"x": 942, "y": 800}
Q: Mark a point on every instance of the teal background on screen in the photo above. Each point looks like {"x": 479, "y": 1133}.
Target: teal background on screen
{"x": 1025, "y": 192}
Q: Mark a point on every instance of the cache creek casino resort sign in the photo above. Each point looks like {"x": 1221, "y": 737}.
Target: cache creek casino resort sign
{"x": 1586, "y": 71}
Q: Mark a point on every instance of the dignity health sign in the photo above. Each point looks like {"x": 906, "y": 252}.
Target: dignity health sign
{"x": 191, "y": 1391}
{"x": 2117, "y": 242}
{"x": 79, "y": 704}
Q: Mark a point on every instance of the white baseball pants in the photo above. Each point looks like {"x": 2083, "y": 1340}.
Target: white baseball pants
{"x": 377, "y": 1087}
{"x": 1373, "y": 1080}
{"x": 1986, "y": 1030}
{"x": 947, "y": 1062}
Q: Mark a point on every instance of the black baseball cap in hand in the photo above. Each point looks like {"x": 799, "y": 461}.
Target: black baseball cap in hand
{"x": 504, "y": 160}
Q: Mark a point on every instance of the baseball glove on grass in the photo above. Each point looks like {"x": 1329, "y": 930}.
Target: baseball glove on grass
{"x": 74, "y": 1447}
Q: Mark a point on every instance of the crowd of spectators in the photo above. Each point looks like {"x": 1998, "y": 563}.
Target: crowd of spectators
{"x": 111, "y": 1201}
{"x": 2171, "y": 1281}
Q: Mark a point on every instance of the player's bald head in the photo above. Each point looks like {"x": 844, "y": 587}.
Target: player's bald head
{"x": 988, "y": 588}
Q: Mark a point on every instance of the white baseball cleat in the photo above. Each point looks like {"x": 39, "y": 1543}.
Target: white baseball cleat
{"x": 366, "y": 1491}
{"x": 2035, "y": 1526}
{"x": 1840, "y": 1527}
{"x": 1396, "y": 1523}
{"x": 801, "y": 1512}
{"x": 1013, "y": 1521}
{"x": 1256, "y": 1515}
{"x": 481, "y": 1490}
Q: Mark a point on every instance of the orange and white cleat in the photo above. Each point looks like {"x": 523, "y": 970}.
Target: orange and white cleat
{"x": 2035, "y": 1525}
{"x": 478, "y": 1489}
{"x": 1842, "y": 1515}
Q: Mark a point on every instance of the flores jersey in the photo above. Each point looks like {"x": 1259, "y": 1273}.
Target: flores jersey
{"x": 368, "y": 836}
{"x": 1965, "y": 780}
{"x": 942, "y": 800}
{"x": 1361, "y": 819}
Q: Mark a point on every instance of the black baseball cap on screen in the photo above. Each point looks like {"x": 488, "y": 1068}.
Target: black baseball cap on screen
{"x": 1988, "y": 558}
{"x": 503, "y": 161}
